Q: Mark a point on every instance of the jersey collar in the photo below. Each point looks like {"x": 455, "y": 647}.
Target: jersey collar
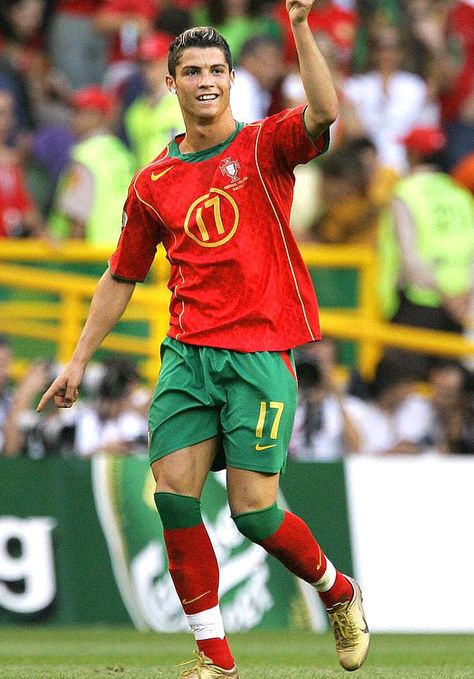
{"x": 205, "y": 154}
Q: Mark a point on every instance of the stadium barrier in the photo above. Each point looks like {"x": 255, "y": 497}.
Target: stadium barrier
{"x": 81, "y": 544}
{"x": 57, "y": 316}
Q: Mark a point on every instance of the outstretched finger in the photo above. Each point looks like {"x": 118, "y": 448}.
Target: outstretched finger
{"x": 47, "y": 396}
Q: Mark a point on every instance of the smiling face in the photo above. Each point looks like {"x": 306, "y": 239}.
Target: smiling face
{"x": 202, "y": 83}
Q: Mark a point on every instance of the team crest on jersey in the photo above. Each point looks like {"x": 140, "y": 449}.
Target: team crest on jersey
{"x": 230, "y": 168}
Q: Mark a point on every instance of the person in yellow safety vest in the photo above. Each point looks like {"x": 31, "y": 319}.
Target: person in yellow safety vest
{"x": 89, "y": 199}
{"x": 426, "y": 249}
{"x": 154, "y": 117}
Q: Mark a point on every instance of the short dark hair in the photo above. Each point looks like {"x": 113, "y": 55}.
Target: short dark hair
{"x": 200, "y": 36}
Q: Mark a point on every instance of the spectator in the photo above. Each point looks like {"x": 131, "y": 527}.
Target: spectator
{"x": 396, "y": 420}
{"x": 76, "y": 47}
{"x": 237, "y": 21}
{"x": 112, "y": 422}
{"x": 20, "y": 23}
{"x": 380, "y": 179}
{"x": 5, "y": 389}
{"x": 154, "y": 117}
{"x": 89, "y": 199}
{"x": 126, "y": 22}
{"x": 373, "y": 15}
{"x": 19, "y": 217}
{"x": 260, "y": 71}
{"x": 349, "y": 381}
{"x": 389, "y": 101}
{"x": 24, "y": 54}
{"x": 326, "y": 421}
{"x": 23, "y": 426}
{"x": 453, "y": 51}
{"x": 427, "y": 249}
{"x": 173, "y": 18}
{"x": 452, "y": 429}
{"x": 353, "y": 190}
{"x": 348, "y": 125}
{"x": 348, "y": 215}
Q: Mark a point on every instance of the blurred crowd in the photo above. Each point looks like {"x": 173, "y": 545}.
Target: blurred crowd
{"x": 110, "y": 417}
{"x": 83, "y": 104}
{"x": 338, "y": 412}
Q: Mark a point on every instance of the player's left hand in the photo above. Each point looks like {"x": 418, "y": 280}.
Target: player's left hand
{"x": 298, "y": 10}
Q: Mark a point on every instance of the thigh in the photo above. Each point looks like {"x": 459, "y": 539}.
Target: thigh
{"x": 182, "y": 413}
{"x": 257, "y": 418}
{"x": 185, "y": 471}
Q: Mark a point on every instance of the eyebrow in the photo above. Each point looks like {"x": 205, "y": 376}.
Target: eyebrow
{"x": 183, "y": 66}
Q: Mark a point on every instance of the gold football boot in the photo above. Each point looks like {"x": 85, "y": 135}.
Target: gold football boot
{"x": 350, "y": 630}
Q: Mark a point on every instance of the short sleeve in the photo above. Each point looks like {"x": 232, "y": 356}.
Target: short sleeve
{"x": 286, "y": 134}
{"x": 138, "y": 240}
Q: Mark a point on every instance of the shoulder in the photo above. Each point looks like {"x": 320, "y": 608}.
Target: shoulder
{"x": 146, "y": 177}
{"x": 288, "y": 116}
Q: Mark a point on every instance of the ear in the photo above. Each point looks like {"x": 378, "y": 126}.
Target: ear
{"x": 170, "y": 84}
{"x": 232, "y": 77}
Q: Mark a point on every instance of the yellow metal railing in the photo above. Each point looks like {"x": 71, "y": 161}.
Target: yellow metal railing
{"x": 61, "y": 321}
{"x": 70, "y": 252}
{"x": 364, "y": 324}
{"x": 364, "y": 260}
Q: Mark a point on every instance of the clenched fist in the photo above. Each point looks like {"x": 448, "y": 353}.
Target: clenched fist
{"x": 298, "y": 10}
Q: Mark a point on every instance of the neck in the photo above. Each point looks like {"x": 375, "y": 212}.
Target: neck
{"x": 201, "y": 135}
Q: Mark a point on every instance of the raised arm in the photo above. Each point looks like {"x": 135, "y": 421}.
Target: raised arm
{"x": 318, "y": 84}
{"x": 108, "y": 304}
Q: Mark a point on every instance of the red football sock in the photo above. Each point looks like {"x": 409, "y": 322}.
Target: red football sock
{"x": 218, "y": 651}
{"x": 339, "y": 593}
{"x": 195, "y": 574}
{"x": 295, "y": 546}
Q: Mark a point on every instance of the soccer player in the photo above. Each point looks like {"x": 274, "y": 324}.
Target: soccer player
{"x": 218, "y": 198}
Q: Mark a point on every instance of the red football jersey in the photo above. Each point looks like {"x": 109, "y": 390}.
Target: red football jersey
{"x": 238, "y": 280}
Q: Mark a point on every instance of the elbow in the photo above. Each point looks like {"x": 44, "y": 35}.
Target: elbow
{"x": 329, "y": 116}
{"x": 323, "y": 118}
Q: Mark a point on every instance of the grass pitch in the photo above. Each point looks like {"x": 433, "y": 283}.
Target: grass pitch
{"x": 97, "y": 653}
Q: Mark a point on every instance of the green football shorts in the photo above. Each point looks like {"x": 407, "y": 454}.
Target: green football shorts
{"x": 248, "y": 400}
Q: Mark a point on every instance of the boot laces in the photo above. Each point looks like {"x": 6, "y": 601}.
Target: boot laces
{"x": 345, "y": 629}
{"x": 201, "y": 658}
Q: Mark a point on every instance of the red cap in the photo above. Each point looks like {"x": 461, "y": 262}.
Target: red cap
{"x": 424, "y": 140}
{"x": 155, "y": 46}
{"x": 93, "y": 98}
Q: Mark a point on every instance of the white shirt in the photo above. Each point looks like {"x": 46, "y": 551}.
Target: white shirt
{"x": 388, "y": 116}
{"x": 327, "y": 443}
{"x": 92, "y": 434}
{"x": 380, "y": 430}
{"x": 249, "y": 101}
